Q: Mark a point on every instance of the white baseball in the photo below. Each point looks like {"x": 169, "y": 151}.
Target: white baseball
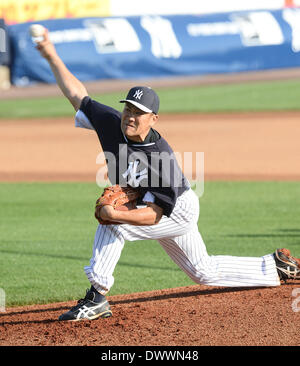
{"x": 37, "y": 31}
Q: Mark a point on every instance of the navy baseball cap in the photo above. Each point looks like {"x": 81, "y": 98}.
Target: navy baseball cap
{"x": 144, "y": 98}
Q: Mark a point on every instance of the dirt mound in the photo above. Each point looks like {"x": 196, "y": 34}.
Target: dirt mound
{"x": 186, "y": 316}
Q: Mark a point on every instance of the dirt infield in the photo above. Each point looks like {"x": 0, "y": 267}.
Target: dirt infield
{"x": 258, "y": 146}
{"x": 187, "y": 316}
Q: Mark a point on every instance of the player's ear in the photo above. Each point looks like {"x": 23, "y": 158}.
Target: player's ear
{"x": 154, "y": 119}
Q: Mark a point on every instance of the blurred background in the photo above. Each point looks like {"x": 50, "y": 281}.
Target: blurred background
{"x": 117, "y": 39}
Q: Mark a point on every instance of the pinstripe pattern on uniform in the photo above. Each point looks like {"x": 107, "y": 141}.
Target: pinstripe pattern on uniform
{"x": 108, "y": 245}
{"x": 184, "y": 215}
{"x": 225, "y": 271}
{"x": 181, "y": 240}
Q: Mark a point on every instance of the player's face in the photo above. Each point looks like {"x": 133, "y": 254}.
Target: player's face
{"x": 136, "y": 123}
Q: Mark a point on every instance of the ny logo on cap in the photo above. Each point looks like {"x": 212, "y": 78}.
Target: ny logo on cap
{"x": 138, "y": 94}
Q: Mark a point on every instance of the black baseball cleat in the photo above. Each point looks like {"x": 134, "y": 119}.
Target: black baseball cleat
{"x": 88, "y": 309}
{"x": 288, "y": 267}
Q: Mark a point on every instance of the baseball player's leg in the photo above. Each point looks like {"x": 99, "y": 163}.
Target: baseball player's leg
{"x": 180, "y": 238}
{"x": 108, "y": 245}
{"x": 109, "y": 241}
{"x": 107, "y": 249}
{"x": 189, "y": 253}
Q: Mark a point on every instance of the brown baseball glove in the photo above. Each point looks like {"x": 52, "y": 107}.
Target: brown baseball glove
{"x": 120, "y": 198}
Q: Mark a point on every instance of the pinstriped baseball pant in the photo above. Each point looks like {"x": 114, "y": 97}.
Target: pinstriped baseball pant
{"x": 180, "y": 238}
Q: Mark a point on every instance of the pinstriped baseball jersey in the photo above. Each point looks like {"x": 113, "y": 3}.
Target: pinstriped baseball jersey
{"x": 177, "y": 231}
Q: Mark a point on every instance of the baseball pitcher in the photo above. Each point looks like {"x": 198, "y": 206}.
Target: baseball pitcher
{"x": 147, "y": 201}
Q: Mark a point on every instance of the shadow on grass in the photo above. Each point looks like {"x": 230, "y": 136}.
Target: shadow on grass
{"x": 72, "y": 257}
{"x": 280, "y": 233}
{"x": 263, "y": 235}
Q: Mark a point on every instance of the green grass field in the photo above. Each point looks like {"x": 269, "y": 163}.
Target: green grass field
{"x": 256, "y": 96}
{"x": 47, "y": 230}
